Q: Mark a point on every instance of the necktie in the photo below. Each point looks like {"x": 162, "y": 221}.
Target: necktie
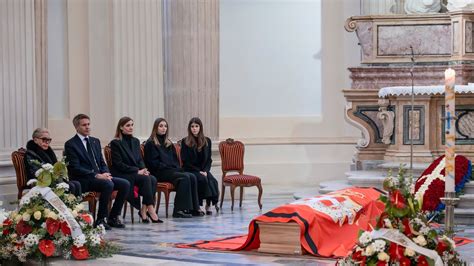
{"x": 91, "y": 155}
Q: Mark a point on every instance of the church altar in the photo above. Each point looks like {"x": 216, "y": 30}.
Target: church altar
{"x": 428, "y": 123}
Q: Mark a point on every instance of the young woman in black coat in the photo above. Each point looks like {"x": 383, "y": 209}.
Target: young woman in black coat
{"x": 38, "y": 149}
{"x": 127, "y": 163}
{"x": 162, "y": 161}
{"x": 196, "y": 157}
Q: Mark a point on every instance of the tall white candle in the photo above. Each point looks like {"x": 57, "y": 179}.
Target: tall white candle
{"x": 449, "y": 127}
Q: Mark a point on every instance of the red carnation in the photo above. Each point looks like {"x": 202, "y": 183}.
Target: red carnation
{"x": 22, "y": 228}
{"x": 397, "y": 199}
{"x": 47, "y": 247}
{"x": 422, "y": 261}
{"x": 441, "y": 247}
{"x": 381, "y": 263}
{"x": 52, "y": 226}
{"x": 6, "y": 223}
{"x": 404, "y": 261}
{"x": 357, "y": 256}
{"x": 80, "y": 253}
{"x": 395, "y": 251}
{"x": 65, "y": 228}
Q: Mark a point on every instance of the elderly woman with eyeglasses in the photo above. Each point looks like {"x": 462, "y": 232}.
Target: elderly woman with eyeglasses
{"x": 38, "y": 149}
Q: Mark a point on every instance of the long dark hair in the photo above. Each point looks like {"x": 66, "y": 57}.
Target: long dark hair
{"x": 154, "y": 132}
{"x": 200, "y": 140}
{"x": 122, "y": 121}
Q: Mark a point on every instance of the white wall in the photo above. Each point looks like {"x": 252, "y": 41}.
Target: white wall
{"x": 283, "y": 68}
{"x": 57, "y": 60}
{"x": 269, "y": 58}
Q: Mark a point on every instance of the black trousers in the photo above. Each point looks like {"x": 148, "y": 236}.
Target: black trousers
{"x": 208, "y": 188}
{"x": 146, "y": 187}
{"x": 106, "y": 187}
{"x": 186, "y": 189}
{"x": 75, "y": 188}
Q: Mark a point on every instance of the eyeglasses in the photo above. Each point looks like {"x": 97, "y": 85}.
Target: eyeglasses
{"x": 46, "y": 140}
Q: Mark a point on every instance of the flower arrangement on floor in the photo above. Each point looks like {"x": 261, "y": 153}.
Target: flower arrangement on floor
{"x": 403, "y": 235}
{"x": 51, "y": 222}
{"x": 429, "y": 188}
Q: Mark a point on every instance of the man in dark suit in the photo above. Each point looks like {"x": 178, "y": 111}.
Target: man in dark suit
{"x": 86, "y": 165}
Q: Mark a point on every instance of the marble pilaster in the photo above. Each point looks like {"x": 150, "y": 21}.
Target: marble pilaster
{"x": 191, "y": 44}
{"x": 22, "y": 72}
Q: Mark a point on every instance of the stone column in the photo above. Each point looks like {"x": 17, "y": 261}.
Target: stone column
{"x": 137, "y": 62}
{"x": 22, "y": 72}
{"x": 191, "y": 39}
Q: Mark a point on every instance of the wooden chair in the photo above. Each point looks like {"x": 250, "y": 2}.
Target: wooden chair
{"x": 108, "y": 161}
{"x": 232, "y": 159}
{"x": 18, "y": 159}
{"x": 162, "y": 187}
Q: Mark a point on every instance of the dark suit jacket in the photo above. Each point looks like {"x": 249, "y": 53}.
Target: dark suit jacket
{"x": 194, "y": 160}
{"x": 80, "y": 167}
{"x": 126, "y": 161}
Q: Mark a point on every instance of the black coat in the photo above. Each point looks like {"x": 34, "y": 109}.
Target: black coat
{"x": 126, "y": 161}
{"x": 161, "y": 160}
{"x": 35, "y": 152}
{"x": 193, "y": 160}
{"x": 80, "y": 167}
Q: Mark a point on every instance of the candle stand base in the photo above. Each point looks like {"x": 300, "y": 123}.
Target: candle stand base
{"x": 450, "y": 201}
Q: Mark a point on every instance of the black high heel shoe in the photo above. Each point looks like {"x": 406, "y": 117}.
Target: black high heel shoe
{"x": 145, "y": 221}
{"x": 208, "y": 212}
{"x": 154, "y": 221}
{"x": 217, "y": 207}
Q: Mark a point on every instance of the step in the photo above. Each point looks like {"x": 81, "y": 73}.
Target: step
{"x": 469, "y": 188}
{"x": 418, "y": 168}
{"x": 463, "y": 216}
{"x": 466, "y": 201}
{"x": 330, "y": 186}
{"x": 366, "y": 181}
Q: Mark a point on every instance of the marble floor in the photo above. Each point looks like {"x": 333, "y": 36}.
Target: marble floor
{"x": 153, "y": 244}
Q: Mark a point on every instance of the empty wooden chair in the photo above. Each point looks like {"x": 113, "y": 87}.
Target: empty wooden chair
{"x": 232, "y": 159}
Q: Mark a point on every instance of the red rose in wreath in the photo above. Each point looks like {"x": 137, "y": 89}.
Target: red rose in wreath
{"x": 47, "y": 247}
{"x": 430, "y": 185}
{"x": 80, "y": 253}
{"x": 22, "y": 228}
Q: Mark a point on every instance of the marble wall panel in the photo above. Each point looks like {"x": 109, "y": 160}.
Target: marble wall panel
{"x": 425, "y": 39}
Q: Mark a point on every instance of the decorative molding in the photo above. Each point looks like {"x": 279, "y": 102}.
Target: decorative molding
{"x": 419, "y": 125}
{"x": 464, "y": 125}
{"x": 365, "y": 140}
{"x": 370, "y": 114}
{"x": 386, "y": 114}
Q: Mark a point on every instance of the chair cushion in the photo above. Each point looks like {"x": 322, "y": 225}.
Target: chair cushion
{"x": 242, "y": 179}
{"x": 165, "y": 185}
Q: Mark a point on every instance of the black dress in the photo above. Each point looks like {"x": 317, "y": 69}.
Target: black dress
{"x": 35, "y": 152}
{"x": 126, "y": 161}
{"x": 195, "y": 161}
{"x": 163, "y": 163}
